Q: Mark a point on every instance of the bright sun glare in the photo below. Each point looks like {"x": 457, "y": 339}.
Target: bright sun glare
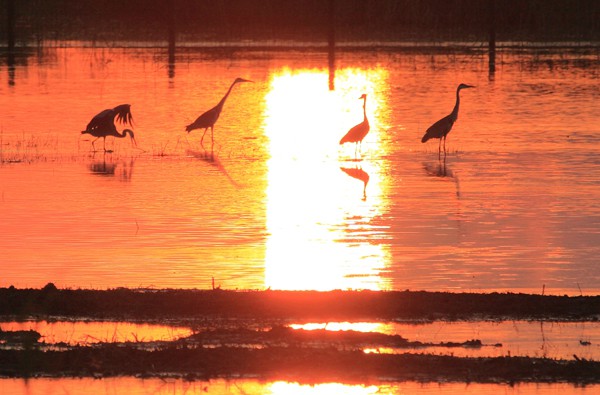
{"x": 281, "y": 387}
{"x": 314, "y": 210}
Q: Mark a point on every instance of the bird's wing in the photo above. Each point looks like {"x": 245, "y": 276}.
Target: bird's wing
{"x": 205, "y": 120}
{"x": 123, "y": 114}
{"x": 356, "y": 133}
{"x": 439, "y": 129}
{"x": 102, "y": 120}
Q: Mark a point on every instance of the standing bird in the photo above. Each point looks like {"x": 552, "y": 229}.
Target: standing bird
{"x": 103, "y": 124}
{"x": 357, "y": 133}
{"x": 209, "y": 118}
{"x": 441, "y": 128}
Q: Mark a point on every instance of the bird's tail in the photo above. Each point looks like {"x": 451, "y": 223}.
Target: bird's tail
{"x": 425, "y": 138}
{"x": 189, "y": 127}
{"x": 344, "y": 139}
{"x": 124, "y": 114}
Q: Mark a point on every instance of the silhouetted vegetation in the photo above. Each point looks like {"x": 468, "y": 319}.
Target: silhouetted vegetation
{"x": 230, "y": 336}
{"x": 305, "y": 20}
{"x": 334, "y": 305}
{"x": 306, "y": 364}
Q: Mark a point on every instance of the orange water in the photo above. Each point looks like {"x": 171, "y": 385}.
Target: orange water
{"x": 556, "y": 340}
{"x": 136, "y": 386}
{"x": 82, "y": 333}
{"x": 513, "y": 207}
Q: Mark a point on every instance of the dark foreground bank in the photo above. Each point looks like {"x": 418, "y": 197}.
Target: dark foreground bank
{"x": 128, "y": 304}
{"x": 281, "y": 352}
{"x": 304, "y": 364}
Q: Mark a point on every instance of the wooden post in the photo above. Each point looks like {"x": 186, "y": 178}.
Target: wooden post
{"x": 331, "y": 44}
{"x": 492, "y": 43}
{"x": 171, "y": 36}
{"x": 10, "y": 37}
{"x": 10, "y": 25}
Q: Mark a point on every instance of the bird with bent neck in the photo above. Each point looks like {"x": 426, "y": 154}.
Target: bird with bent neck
{"x": 104, "y": 124}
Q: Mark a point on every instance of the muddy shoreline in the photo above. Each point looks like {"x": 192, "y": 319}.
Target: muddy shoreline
{"x": 139, "y": 305}
{"x": 216, "y": 350}
{"x": 289, "y": 363}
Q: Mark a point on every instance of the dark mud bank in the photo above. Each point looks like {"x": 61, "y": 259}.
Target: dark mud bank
{"x": 131, "y": 304}
{"x": 220, "y": 350}
{"x": 291, "y": 363}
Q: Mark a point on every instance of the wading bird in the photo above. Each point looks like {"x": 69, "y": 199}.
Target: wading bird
{"x": 441, "y": 128}
{"x": 209, "y": 118}
{"x": 103, "y": 124}
{"x": 357, "y": 133}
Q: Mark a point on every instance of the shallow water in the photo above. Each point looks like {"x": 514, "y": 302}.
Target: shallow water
{"x": 81, "y": 333}
{"x": 249, "y": 386}
{"x": 556, "y": 340}
{"x": 513, "y": 207}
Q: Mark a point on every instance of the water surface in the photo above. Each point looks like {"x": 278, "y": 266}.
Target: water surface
{"x": 170, "y": 386}
{"x": 277, "y": 202}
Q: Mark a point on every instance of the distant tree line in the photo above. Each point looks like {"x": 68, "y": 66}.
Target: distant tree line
{"x": 306, "y": 20}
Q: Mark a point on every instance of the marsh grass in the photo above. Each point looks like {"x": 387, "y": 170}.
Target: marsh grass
{"x": 28, "y": 148}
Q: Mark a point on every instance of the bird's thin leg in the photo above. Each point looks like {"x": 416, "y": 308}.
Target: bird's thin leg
{"x": 212, "y": 135}
{"x": 93, "y": 146}
{"x": 444, "y": 146}
{"x": 202, "y": 139}
{"x": 104, "y": 143}
{"x": 440, "y": 149}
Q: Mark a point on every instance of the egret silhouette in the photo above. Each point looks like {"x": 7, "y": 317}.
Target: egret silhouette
{"x": 209, "y": 118}
{"x": 103, "y": 124}
{"x": 357, "y": 133}
{"x": 441, "y": 128}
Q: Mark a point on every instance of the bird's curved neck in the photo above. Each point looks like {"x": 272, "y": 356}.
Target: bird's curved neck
{"x": 365, "y": 108}
{"x": 222, "y": 102}
{"x": 123, "y": 133}
{"x": 454, "y": 113}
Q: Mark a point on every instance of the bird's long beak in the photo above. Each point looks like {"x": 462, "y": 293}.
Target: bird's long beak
{"x": 133, "y": 141}
{"x": 471, "y": 86}
{"x": 243, "y": 80}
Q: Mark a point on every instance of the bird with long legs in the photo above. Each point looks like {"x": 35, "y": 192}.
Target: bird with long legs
{"x": 104, "y": 124}
{"x": 357, "y": 133}
{"x": 441, "y": 128}
{"x": 210, "y": 117}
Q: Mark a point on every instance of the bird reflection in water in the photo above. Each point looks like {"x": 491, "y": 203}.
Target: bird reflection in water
{"x": 214, "y": 161}
{"x": 441, "y": 170}
{"x": 108, "y": 167}
{"x": 360, "y": 175}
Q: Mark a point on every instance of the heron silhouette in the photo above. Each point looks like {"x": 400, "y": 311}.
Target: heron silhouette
{"x": 441, "y": 128}
{"x": 357, "y": 133}
{"x": 103, "y": 124}
{"x": 210, "y": 117}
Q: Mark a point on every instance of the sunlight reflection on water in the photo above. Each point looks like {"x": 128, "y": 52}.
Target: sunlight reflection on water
{"x": 310, "y": 206}
{"x": 172, "y": 386}
{"x": 75, "y": 333}
{"x": 514, "y": 206}
{"x": 557, "y": 340}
